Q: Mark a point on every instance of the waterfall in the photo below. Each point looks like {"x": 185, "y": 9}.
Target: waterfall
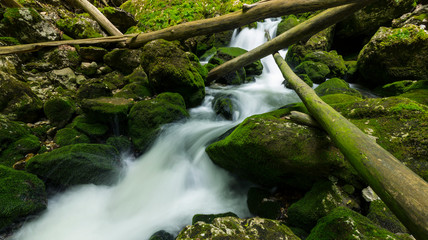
{"x": 175, "y": 179}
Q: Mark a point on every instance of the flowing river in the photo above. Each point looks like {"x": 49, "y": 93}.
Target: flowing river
{"x": 175, "y": 179}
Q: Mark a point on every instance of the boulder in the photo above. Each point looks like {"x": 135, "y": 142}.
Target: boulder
{"x": 92, "y": 53}
{"x": 91, "y": 127}
{"x": 109, "y": 110}
{"x": 124, "y": 60}
{"x": 201, "y": 44}
{"x": 336, "y": 86}
{"x": 27, "y": 25}
{"x": 120, "y": 18}
{"x": 334, "y": 61}
{"x": 62, "y": 57}
{"x": 381, "y": 216}
{"x": 394, "y": 54}
{"x": 418, "y": 17}
{"x": 77, "y": 164}
{"x": 10, "y": 64}
{"x": 162, "y": 235}
{"x": 223, "y": 106}
{"x": 400, "y": 87}
{"x": 235, "y": 228}
{"x": 17, "y": 100}
{"x": 137, "y": 87}
{"x": 288, "y": 22}
{"x": 28, "y": 144}
{"x": 69, "y": 136}
{"x": 170, "y": 69}
{"x": 316, "y": 71}
{"x": 80, "y": 27}
{"x": 59, "y": 111}
{"x": 95, "y": 88}
{"x": 22, "y": 194}
{"x": 209, "y": 218}
{"x": 121, "y": 143}
{"x": 343, "y": 223}
{"x": 323, "y": 197}
{"x": 272, "y": 150}
{"x": 147, "y": 116}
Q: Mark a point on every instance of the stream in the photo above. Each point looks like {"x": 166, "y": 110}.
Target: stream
{"x": 175, "y": 179}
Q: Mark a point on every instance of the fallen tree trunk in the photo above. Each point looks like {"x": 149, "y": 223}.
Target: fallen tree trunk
{"x": 403, "y": 191}
{"x": 36, "y": 46}
{"x": 263, "y": 10}
{"x": 302, "y": 31}
{"x": 10, "y": 4}
{"x": 99, "y": 17}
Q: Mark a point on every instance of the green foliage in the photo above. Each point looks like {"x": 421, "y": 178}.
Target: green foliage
{"x": 154, "y": 15}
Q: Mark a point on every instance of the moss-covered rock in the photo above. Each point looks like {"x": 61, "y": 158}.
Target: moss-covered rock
{"x": 400, "y": 87}
{"x": 138, "y": 87}
{"x": 334, "y": 86}
{"x": 121, "y": 143}
{"x": 343, "y": 223}
{"x": 21, "y": 194}
{"x": 124, "y": 60}
{"x": 201, "y": 44}
{"x": 381, "y": 216}
{"x": 316, "y": 71}
{"x": 59, "y": 111}
{"x": 91, "y": 127}
{"x": 80, "y": 27}
{"x": 119, "y": 17}
{"x": 17, "y": 100}
{"x": 394, "y": 54}
{"x": 418, "y": 17}
{"x": 107, "y": 110}
{"x": 94, "y": 89}
{"x": 334, "y": 61}
{"x": 64, "y": 56}
{"x": 260, "y": 204}
{"x": 271, "y": 150}
{"x": 287, "y": 23}
{"x": 170, "y": 69}
{"x": 77, "y": 164}
{"x": 92, "y": 53}
{"x": 318, "y": 202}
{"x": 69, "y": 136}
{"x": 146, "y": 117}
{"x": 28, "y": 26}
{"x": 223, "y": 106}
{"x": 417, "y": 95}
{"x": 235, "y": 228}
{"x": 209, "y": 218}
{"x": 162, "y": 235}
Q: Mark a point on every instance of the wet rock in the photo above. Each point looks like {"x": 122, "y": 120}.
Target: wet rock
{"x": 287, "y": 23}
{"x": 120, "y": 18}
{"x": 318, "y": 202}
{"x": 223, "y": 106}
{"x": 92, "y": 53}
{"x": 124, "y": 60}
{"x": 272, "y": 150}
{"x": 170, "y": 69}
{"x": 69, "y": 136}
{"x": 95, "y": 88}
{"x": 394, "y": 54}
{"x": 112, "y": 111}
{"x": 17, "y": 100}
{"x": 147, "y": 116}
{"x": 418, "y": 17}
{"x": 22, "y": 194}
{"x": 27, "y": 25}
{"x": 369, "y": 195}
{"x": 334, "y": 61}
{"x": 334, "y": 86}
{"x": 235, "y": 228}
{"x": 209, "y": 218}
{"x": 137, "y": 87}
{"x": 201, "y": 44}
{"x": 381, "y": 216}
{"x": 121, "y": 143}
{"x": 161, "y": 235}
{"x": 77, "y": 164}
{"x": 89, "y": 68}
{"x": 91, "y": 127}
{"x": 343, "y": 223}
{"x": 316, "y": 71}
{"x": 400, "y": 87}
{"x": 59, "y": 111}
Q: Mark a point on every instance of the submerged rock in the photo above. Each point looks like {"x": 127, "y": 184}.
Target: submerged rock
{"x": 147, "y": 116}
{"x": 394, "y": 54}
{"x": 170, "y": 69}
{"x": 77, "y": 164}
{"x": 235, "y": 228}
{"x": 22, "y": 194}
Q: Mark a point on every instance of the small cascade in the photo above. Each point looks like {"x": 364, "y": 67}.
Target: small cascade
{"x": 175, "y": 179}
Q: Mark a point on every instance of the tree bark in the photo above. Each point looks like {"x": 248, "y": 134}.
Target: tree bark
{"x": 403, "y": 191}
{"x": 99, "y": 17}
{"x": 263, "y": 10}
{"x": 10, "y": 4}
{"x": 302, "y": 31}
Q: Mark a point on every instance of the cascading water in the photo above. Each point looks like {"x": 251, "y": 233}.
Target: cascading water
{"x": 175, "y": 179}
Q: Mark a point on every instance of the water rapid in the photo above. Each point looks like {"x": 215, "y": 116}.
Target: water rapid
{"x": 175, "y": 179}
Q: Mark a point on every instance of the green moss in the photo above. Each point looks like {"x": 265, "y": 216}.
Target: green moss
{"x": 408, "y": 106}
{"x": 209, "y": 218}
{"x": 89, "y": 127}
{"x": 21, "y": 194}
{"x": 78, "y": 27}
{"x": 316, "y": 71}
{"x": 107, "y": 110}
{"x": 18, "y": 149}
{"x": 339, "y": 98}
{"x": 77, "y": 164}
{"x": 68, "y": 136}
{"x": 121, "y": 143}
{"x": 381, "y": 216}
{"x": 334, "y": 61}
{"x": 9, "y": 40}
{"x": 59, "y": 111}
{"x": 334, "y": 86}
{"x": 418, "y": 95}
{"x": 287, "y": 23}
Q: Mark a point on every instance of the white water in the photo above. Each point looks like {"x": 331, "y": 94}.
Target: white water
{"x": 175, "y": 179}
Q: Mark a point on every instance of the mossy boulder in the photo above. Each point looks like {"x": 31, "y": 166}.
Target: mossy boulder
{"x": 21, "y": 194}
{"x": 343, "y": 223}
{"x": 288, "y": 22}
{"x": 109, "y": 110}
{"x": 381, "y": 216}
{"x": 223, "y": 106}
{"x": 316, "y": 71}
{"x": 209, "y": 218}
{"x": 394, "y": 54}
{"x": 334, "y": 61}
{"x": 80, "y": 27}
{"x": 400, "y": 87}
{"x": 162, "y": 235}
{"x": 95, "y": 88}
{"x": 89, "y": 126}
{"x": 137, "y": 87}
{"x": 323, "y": 197}
{"x": 147, "y": 116}
{"x": 92, "y": 53}
{"x": 334, "y": 86}
{"x": 59, "y": 111}
{"x": 19, "y": 149}
{"x": 27, "y": 25}
{"x": 418, "y": 17}
{"x": 272, "y": 150}
{"x": 77, "y": 164}
{"x": 201, "y": 44}
{"x": 170, "y": 69}
{"x": 119, "y": 17}
{"x": 17, "y": 100}
{"x": 124, "y": 60}
{"x": 235, "y": 228}
{"x": 121, "y": 143}
{"x": 69, "y": 136}
{"x": 417, "y": 95}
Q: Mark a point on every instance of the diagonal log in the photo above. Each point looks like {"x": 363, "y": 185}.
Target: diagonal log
{"x": 260, "y": 11}
{"x": 302, "y": 31}
{"x": 10, "y": 4}
{"x": 403, "y": 191}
